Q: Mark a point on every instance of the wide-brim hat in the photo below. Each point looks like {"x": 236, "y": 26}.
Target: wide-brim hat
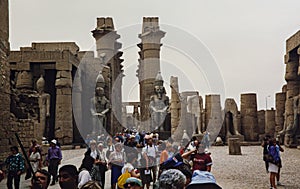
{"x": 134, "y": 180}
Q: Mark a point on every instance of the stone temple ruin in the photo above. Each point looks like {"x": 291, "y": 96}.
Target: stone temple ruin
{"x": 54, "y": 90}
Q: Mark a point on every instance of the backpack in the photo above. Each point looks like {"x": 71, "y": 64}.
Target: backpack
{"x": 122, "y": 179}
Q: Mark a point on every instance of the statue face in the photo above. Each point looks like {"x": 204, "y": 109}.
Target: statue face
{"x": 159, "y": 90}
{"x": 99, "y": 91}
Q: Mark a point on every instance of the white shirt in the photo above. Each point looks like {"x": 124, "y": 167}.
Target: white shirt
{"x": 94, "y": 154}
{"x": 83, "y": 177}
{"x": 127, "y": 166}
{"x": 150, "y": 151}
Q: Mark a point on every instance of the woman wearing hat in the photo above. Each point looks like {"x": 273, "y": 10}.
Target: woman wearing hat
{"x": 116, "y": 160}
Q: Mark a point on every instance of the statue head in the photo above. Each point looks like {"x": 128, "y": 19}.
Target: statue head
{"x": 99, "y": 91}
{"x": 40, "y": 84}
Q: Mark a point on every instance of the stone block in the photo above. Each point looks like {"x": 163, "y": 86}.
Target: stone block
{"x": 234, "y": 146}
{"x": 23, "y": 66}
{"x": 63, "y": 65}
{"x": 63, "y": 74}
{"x": 63, "y": 83}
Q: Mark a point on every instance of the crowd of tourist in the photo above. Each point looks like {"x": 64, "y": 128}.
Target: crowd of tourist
{"x": 136, "y": 160}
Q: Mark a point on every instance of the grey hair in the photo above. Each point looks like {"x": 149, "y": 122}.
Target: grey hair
{"x": 172, "y": 179}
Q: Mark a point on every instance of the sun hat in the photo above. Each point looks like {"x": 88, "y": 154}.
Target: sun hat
{"x": 201, "y": 178}
{"x": 133, "y": 180}
{"x": 54, "y": 141}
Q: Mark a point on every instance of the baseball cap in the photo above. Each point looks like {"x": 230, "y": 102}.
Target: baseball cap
{"x": 54, "y": 141}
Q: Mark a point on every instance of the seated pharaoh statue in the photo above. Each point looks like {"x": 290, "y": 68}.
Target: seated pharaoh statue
{"x": 159, "y": 105}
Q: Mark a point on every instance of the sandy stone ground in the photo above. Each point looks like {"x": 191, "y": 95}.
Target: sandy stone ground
{"x": 244, "y": 171}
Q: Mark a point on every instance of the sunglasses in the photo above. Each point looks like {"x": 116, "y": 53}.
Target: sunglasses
{"x": 128, "y": 185}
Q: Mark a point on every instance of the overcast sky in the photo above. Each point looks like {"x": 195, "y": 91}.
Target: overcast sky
{"x": 244, "y": 41}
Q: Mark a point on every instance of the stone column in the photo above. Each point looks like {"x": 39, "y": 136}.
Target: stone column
{"x": 270, "y": 122}
{"x": 249, "y": 121}
{"x": 261, "y": 122}
{"x": 108, "y": 51}
{"x": 213, "y": 117}
{"x": 149, "y": 64}
{"x": 4, "y": 81}
{"x": 175, "y": 104}
{"x": 63, "y": 109}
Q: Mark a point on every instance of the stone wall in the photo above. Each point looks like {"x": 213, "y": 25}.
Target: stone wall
{"x": 5, "y": 131}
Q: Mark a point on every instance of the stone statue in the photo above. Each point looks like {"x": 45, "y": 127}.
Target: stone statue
{"x": 159, "y": 105}
{"x": 44, "y": 106}
{"x": 99, "y": 107}
{"x": 293, "y": 130}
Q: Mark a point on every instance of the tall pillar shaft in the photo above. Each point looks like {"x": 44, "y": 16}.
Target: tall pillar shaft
{"x": 149, "y": 63}
{"x": 108, "y": 52}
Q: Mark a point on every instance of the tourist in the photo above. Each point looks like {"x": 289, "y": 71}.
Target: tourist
{"x": 91, "y": 185}
{"x": 273, "y": 166}
{"x": 279, "y": 149}
{"x": 68, "y": 177}
{"x": 201, "y": 160}
{"x": 53, "y": 159}
{"x": 100, "y": 166}
{"x": 35, "y": 159}
{"x": 42, "y": 179}
{"x": 1, "y": 175}
{"x": 133, "y": 183}
{"x": 164, "y": 154}
{"x": 172, "y": 179}
{"x": 83, "y": 176}
{"x": 15, "y": 167}
{"x": 148, "y": 162}
{"x": 116, "y": 160}
{"x": 265, "y": 144}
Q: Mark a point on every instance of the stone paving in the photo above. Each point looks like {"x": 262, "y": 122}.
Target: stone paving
{"x": 244, "y": 171}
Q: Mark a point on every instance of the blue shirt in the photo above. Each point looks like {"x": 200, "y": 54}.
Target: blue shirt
{"x": 274, "y": 151}
{"x": 54, "y": 153}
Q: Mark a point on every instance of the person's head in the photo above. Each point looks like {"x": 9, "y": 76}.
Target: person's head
{"x": 172, "y": 179}
{"x": 14, "y": 150}
{"x": 33, "y": 142}
{"x": 203, "y": 179}
{"x": 148, "y": 139}
{"x": 53, "y": 143}
{"x": 42, "y": 179}
{"x": 93, "y": 144}
{"x": 91, "y": 185}
{"x": 100, "y": 146}
{"x": 118, "y": 147}
{"x": 133, "y": 183}
{"x": 68, "y": 177}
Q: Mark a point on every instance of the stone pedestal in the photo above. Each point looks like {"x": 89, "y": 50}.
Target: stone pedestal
{"x": 234, "y": 146}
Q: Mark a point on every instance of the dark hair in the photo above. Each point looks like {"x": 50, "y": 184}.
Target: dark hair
{"x": 46, "y": 173}
{"x": 71, "y": 169}
{"x": 15, "y": 148}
